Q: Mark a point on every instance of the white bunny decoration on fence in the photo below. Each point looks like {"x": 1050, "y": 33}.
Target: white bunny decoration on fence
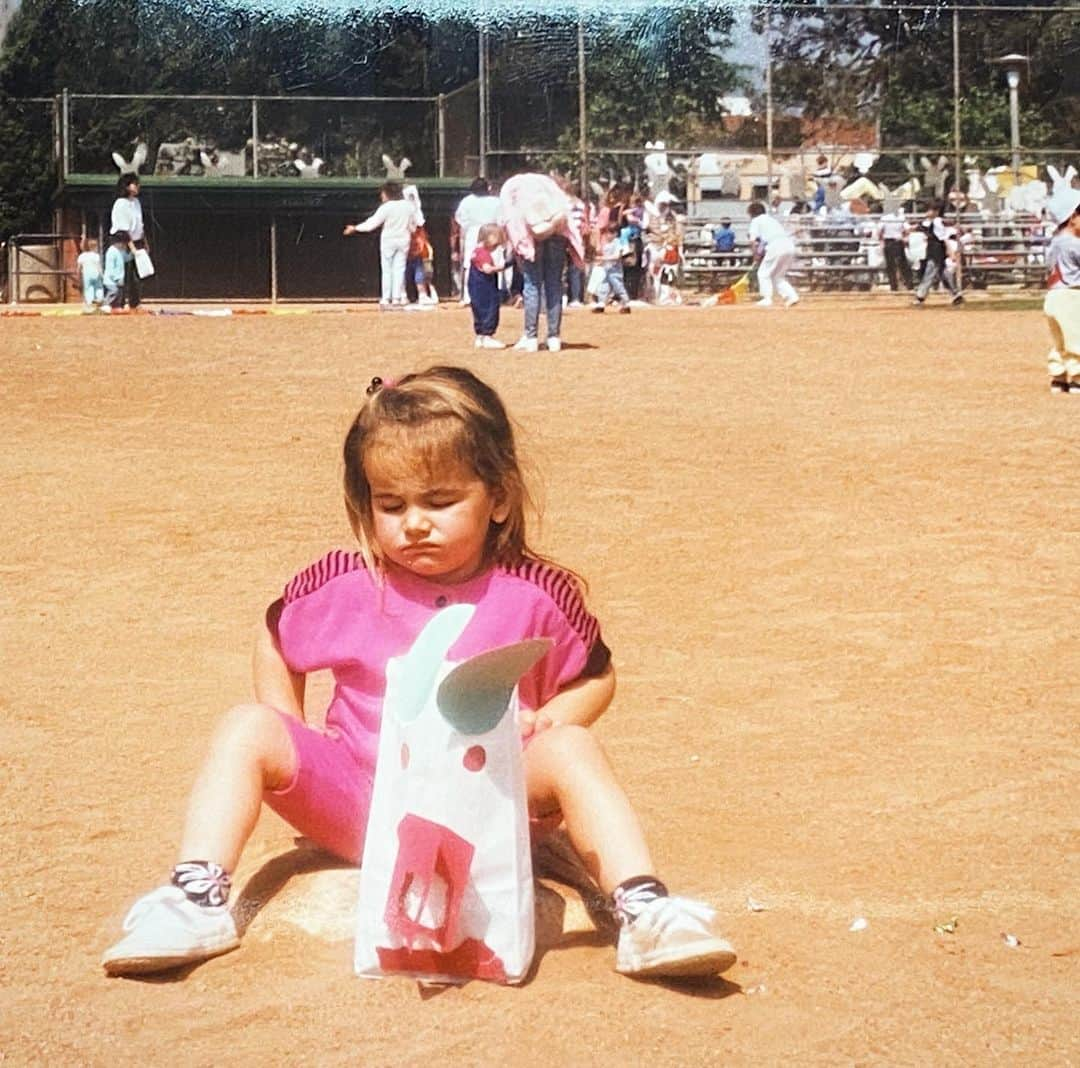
{"x": 395, "y": 172}
{"x": 131, "y": 166}
{"x": 446, "y": 886}
{"x": 307, "y": 164}
{"x": 1059, "y": 181}
{"x": 936, "y": 174}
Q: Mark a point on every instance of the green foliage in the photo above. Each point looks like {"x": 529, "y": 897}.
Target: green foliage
{"x": 898, "y": 66}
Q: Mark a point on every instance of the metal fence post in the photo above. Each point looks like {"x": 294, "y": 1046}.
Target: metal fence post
{"x": 482, "y": 74}
{"x": 65, "y": 123}
{"x": 255, "y": 137}
{"x": 273, "y": 260}
{"x": 583, "y": 136}
{"x": 441, "y": 135}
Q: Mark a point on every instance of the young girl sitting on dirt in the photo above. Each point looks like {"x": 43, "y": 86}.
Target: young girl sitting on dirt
{"x": 436, "y": 498}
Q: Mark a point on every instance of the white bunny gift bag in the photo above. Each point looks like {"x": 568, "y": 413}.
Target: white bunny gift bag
{"x": 446, "y": 887}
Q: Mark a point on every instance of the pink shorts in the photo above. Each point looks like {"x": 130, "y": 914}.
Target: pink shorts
{"x": 329, "y": 798}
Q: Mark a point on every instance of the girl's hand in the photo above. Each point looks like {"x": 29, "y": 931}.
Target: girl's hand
{"x": 532, "y": 723}
{"x": 349, "y": 229}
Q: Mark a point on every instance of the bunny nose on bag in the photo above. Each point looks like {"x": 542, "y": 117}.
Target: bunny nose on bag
{"x": 446, "y": 888}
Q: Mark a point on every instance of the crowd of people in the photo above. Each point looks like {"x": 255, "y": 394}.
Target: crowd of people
{"x": 533, "y": 242}
{"x": 618, "y": 248}
{"x": 113, "y": 283}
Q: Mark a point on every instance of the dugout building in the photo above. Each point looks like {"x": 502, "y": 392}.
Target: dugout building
{"x": 247, "y": 239}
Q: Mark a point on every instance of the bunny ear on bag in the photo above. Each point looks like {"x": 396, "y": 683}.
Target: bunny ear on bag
{"x": 411, "y": 678}
{"x": 474, "y": 696}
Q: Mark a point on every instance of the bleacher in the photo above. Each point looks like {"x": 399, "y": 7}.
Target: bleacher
{"x": 841, "y": 253}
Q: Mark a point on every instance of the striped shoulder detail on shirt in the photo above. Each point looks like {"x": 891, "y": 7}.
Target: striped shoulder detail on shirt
{"x": 321, "y": 572}
{"x": 564, "y": 590}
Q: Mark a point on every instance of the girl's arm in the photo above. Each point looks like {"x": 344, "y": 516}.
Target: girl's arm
{"x": 581, "y": 702}
{"x": 276, "y": 684}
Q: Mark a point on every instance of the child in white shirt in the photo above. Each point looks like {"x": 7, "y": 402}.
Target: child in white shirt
{"x": 610, "y": 259}
{"x": 89, "y": 265}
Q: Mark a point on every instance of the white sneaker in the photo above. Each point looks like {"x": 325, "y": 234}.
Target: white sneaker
{"x": 165, "y": 929}
{"x": 486, "y": 342}
{"x": 528, "y": 344}
{"x": 554, "y": 344}
{"x": 575, "y": 304}
{"x": 673, "y": 936}
{"x": 763, "y": 304}
{"x": 791, "y": 302}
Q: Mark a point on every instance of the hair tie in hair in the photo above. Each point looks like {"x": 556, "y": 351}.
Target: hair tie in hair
{"x": 380, "y": 383}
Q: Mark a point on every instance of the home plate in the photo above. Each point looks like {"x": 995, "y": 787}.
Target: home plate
{"x": 322, "y": 903}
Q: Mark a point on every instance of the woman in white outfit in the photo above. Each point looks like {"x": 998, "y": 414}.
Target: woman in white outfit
{"x": 774, "y": 249}
{"x": 397, "y": 217}
{"x": 479, "y": 208}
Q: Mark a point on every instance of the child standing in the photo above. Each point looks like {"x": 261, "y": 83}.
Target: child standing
{"x": 611, "y": 260}
{"x": 89, "y": 264}
{"x": 419, "y": 266}
{"x": 1062, "y": 303}
{"x": 397, "y": 217}
{"x": 437, "y": 501}
{"x": 724, "y": 238}
{"x": 116, "y": 261}
{"x": 937, "y": 235}
{"x": 487, "y": 260}
{"x": 775, "y": 252}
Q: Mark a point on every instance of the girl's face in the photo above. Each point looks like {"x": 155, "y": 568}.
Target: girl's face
{"x": 1073, "y": 225}
{"x": 493, "y": 240}
{"x": 432, "y": 522}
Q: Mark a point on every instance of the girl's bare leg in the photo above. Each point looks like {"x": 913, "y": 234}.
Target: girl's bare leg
{"x": 566, "y": 769}
{"x": 251, "y": 751}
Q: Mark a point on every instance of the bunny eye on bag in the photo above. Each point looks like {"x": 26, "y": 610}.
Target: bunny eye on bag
{"x": 446, "y": 886}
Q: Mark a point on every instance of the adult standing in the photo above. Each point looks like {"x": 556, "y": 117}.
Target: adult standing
{"x": 892, "y": 233}
{"x": 479, "y": 208}
{"x": 396, "y": 217}
{"x": 537, "y": 216}
{"x": 127, "y": 217}
{"x": 775, "y": 251}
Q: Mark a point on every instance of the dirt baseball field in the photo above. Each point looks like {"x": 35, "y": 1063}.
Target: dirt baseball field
{"x": 835, "y": 551}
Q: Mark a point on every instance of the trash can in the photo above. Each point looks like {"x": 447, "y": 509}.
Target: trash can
{"x": 37, "y": 275}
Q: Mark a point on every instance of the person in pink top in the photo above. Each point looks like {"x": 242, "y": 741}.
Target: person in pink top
{"x": 435, "y": 496}
{"x": 539, "y": 225}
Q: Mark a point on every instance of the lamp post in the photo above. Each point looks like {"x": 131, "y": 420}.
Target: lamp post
{"x": 1014, "y": 63}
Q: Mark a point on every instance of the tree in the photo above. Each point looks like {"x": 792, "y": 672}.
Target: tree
{"x": 897, "y": 65}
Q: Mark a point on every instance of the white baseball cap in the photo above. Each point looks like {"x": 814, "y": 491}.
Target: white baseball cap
{"x": 1063, "y": 204}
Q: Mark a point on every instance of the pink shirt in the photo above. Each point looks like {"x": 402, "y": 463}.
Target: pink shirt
{"x": 336, "y": 617}
{"x": 532, "y": 200}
